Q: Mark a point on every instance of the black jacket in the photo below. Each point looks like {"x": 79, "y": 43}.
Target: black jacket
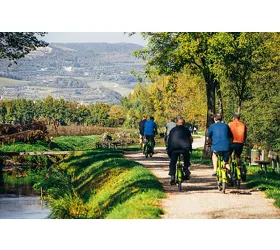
{"x": 179, "y": 138}
{"x": 142, "y": 126}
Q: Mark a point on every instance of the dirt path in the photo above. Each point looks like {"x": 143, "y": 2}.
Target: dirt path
{"x": 200, "y": 198}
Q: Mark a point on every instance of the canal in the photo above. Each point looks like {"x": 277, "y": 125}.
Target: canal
{"x": 19, "y": 201}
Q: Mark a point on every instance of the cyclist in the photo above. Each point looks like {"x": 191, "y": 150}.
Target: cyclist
{"x": 239, "y": 132}
{"x": 220, "y": 135}
{"x": 179, "y": 142}
{"x": 170, "y": 125}
{"x": 150, "y": 129}
{"x": 141, "y": 130}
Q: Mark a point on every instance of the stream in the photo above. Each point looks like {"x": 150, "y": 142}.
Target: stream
{"x": 19, "y": 201}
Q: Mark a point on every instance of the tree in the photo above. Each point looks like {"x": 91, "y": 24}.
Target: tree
{"x": 168, "y": 53}
{"x": 237, "y": 56}
{"x": 117, "y": 115}
{"x": 15, "y": 45}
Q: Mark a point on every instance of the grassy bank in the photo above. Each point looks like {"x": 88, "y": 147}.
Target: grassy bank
{"x": 62, "y": 143}
{"x": 270, "y": 185}
{"x": 102, "y": 184}
{"x": 34, "y": 174}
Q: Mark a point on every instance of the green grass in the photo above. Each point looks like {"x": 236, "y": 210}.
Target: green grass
{"x": 196, "y": 157}
{"x": 62, "y": 143}
{"x": 271, "y": 184}
{"x": 75, "y": 142}
{"x": 102, "y": 184}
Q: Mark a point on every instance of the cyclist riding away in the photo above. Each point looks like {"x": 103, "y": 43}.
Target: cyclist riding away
{"x": 141, "y": 130}
{"x": 150, "y": 129}
{"x": 239, "y": 132}
{"x": 179, "y": 142}
{"x": 170, "y": 125}
{"x": 220, "y": 135}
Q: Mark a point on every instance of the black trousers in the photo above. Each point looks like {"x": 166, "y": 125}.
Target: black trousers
{"x": 174, "y": 157}
{"x": 152, "y": 139}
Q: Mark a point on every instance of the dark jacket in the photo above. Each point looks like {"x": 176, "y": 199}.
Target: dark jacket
{"x": 142, "y": 126}
{"x": 179, "y": 138}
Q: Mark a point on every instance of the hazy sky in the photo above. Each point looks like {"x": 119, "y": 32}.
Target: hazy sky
{"x": 96, "y": 37}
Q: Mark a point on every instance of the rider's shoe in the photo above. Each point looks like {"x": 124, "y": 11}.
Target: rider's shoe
{"x": 214, "y": 173}
{"x": 186, "y": 174}
{"x": 172, "y": 182}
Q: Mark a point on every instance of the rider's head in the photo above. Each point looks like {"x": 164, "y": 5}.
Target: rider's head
{"x": 218, "y": 118}
{"x": 235, "y": 116}
{"x": 180, "y": 122}
{"x": 152, "y": 118}
{"x": 144, "y": 117}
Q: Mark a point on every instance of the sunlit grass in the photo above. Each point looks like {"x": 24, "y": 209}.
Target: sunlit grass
{"x": 103, "y": 184}
{"x": 270, "y": 183}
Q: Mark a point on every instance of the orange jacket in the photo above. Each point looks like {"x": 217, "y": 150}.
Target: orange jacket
{"x": 238, "y": 130}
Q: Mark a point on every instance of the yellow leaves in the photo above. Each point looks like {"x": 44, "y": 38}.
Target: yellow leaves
{"x": 183, "y": 95}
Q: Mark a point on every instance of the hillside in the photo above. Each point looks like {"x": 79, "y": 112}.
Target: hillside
{"x": 89, "y": 71}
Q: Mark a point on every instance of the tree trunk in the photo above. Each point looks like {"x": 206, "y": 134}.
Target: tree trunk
{"x": 239, "y": 106}
{"x": 220, "y": 101}
{"x": 210, "y": 92}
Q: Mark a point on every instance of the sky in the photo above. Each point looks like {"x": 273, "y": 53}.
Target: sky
{"x": 93, "y": 37}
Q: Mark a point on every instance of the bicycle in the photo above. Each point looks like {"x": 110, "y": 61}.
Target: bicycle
{"x": 148, "y": 148}
{"x": 181, "y": 175}
{"x": 221, "y": 173}
{"x": 235, "y": 172}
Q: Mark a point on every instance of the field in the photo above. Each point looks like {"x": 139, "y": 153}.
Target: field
{"x": 11, "y": 82}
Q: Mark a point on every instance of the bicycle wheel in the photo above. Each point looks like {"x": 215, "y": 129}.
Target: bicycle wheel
{"x": 238, "y": 183}
{"x": 220, "y": 186}
{"x": 224, "y": 187}
{"x": 179, "y": 186}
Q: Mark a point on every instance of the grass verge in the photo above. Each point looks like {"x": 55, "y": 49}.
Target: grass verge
{"x": 270, "y": 185}
{"x": 102, "y": 184}
{"x": 62, "y": 143}
{"x": 196, "y": 157}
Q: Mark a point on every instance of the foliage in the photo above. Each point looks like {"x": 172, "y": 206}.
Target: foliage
{"x": 102, "y": 184}
{"x": 15, "y": 45}
{"x": 242, "y": 68}
{"x": 237, "y": 57}
{"x": 65, "y": 112}
{"x": 163, "y": 99}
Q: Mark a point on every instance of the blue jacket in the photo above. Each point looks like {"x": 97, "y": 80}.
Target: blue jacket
{"x": 220, "y": 134}
{"x": 150, "y": 127}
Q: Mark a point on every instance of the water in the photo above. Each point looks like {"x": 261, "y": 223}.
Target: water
{"x": 22, "y": 207}
{"x": 19, "y": 201}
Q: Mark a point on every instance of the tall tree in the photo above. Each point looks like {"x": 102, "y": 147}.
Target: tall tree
{"x": 171, "y": 52}
{"x": 237, "y": 56}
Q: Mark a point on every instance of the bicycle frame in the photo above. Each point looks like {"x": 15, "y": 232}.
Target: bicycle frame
{"x": 148, "y": 148}
{"x": 221, "y": 174}
{"x": 235, "y": 171}
{"x": 179, "y": 173}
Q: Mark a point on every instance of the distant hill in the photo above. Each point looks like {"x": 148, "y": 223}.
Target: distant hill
{"x": 72, "y": 66}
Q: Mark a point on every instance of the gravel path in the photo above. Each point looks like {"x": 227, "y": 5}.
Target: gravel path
{"x": 200, "y": 198}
